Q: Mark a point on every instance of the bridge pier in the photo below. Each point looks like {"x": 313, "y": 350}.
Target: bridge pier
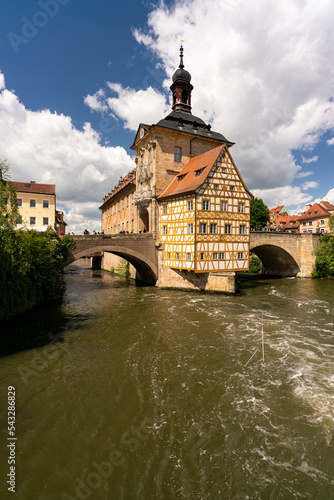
{"x": 97, "y": 261}
{"x": 188, "y": 280}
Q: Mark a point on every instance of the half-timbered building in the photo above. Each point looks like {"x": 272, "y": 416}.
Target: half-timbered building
{"x": 205, "y": 216}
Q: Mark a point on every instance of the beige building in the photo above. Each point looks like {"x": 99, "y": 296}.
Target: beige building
{"x": 118, "y": 211}
{"x": 315, "y": 218}
{"x": 37, "y": 204}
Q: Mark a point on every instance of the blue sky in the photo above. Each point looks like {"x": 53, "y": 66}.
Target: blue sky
{"x": 77, "y": 77}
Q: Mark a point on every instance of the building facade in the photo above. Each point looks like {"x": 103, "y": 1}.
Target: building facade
{"x": 37, "y": 205}
{"x": 185, "y": 190}
{"x": 205, "y": 216}
{"x": 118, "y": 211}
{"x": 315, "y": 218}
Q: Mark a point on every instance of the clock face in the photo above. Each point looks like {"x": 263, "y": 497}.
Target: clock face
{"x": 141, "y": 133}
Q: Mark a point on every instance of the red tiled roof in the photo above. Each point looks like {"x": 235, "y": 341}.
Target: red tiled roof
{"x": 326, "y": 205}
{"x": 275, "y": 210}
{"x": 187, "y": 180}
{"x": 316, "y": 211}
{"x": 122, "y": 183}
{"x": 34, "y": 187}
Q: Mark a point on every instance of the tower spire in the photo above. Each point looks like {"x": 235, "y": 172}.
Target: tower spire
{"x": 181, "y": 65}
{"x": 181, "y": 87}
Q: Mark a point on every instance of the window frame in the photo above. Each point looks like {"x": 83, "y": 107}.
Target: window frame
{"x": 34, "y": 200}
{"x": 48, "y": 203}
{"x": 213, "y": 225}
{"x": 203, "y": 228}
{"x": 177, "y": 154}
{"x": 228, "y": 228}
{"x": 205, "y": 205}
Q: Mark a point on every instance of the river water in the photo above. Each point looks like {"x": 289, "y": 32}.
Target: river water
{"x": 126, "y": 392}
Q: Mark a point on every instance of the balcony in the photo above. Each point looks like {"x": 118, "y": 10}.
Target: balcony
{"x": 142, "y": 199}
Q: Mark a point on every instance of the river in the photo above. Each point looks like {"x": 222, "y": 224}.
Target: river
{"x": 127, "y": 392}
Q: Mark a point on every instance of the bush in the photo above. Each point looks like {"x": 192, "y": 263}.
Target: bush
{"x": 31, "y": 270}
{"x": 255, "y": 265}
{"x": 324, "y": 257}
{"x": 123, "y": 269}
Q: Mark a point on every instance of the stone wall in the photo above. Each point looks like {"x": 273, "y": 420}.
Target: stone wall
{"x": 188, "y": 280}
{"x": 109, "y": 261}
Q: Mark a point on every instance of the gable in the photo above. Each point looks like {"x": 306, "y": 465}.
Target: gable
{"x": 224, "y": 173}
{"x": 142, "y": 130}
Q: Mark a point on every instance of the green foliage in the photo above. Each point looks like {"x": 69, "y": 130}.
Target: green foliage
{"x": 331, "y": 222}
{"x": 123, "y": 269}
{"x": 255, "y": 265}
{"x": 31, "y": 270}
{"x": 9, "y": 211}
{"x": 324, "y": 257}
{"x": 259, "y": 214}
{"x": 31, "y": 262}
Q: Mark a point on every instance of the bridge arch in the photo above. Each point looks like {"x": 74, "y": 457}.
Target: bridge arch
{"x": 276, "y": 260}
{"x": 146, "y": 270}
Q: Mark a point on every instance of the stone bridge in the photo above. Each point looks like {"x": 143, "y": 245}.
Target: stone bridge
{"x": 281, "y": 254}
{"x": 138, "y": 249}
{"x": 285, "y": 254}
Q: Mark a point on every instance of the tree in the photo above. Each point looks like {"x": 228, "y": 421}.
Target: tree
{"x": 259, "y": 214}
{"x": 9, "y": 211}
{"x": 31, "y": 262}
{"x": 324, "y": 257}
{"x": 331, "y": 222}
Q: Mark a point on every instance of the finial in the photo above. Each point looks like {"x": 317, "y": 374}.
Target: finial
{"x": 181, "y": 56}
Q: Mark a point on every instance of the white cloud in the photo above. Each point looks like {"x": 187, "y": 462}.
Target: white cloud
{"x": 310, "y": 160}
{"x": 262, "y": 76}
{"x": 2, "y": 81}
{"x": 330, "y": 142}
{"x": 131, "y": 106}
{"x": 287, "y": 195}
{"x": 47, "y": 148}
{"x": 95, "y": 101}
{"x": 301, "y": 175}
{"x": 329, "y": 196}
{"x": 310, "y": 185}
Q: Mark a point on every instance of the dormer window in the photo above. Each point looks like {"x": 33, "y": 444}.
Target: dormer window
{"x": 199, "y": 171}
{"x": 180, "y": 177}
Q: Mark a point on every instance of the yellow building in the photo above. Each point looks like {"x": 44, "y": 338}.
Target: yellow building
{"x": 37, "y": 204}
{"x": 118, "y": 211}
{"x": 205, "y": 216}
